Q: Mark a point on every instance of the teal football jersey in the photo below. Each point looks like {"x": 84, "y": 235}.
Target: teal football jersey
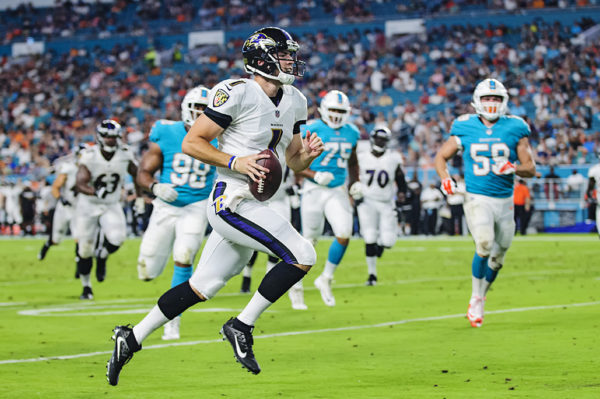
{"x": 483, "y": 147}
{"x": 338, "y": 147}
{"x": 193, "y": 179}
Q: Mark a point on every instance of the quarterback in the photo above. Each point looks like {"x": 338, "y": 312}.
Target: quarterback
{"x": 492, "y": 143}
{"x": 247, "y": 116}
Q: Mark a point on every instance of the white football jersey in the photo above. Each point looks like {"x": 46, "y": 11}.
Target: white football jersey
{"x": 594, "y": 172}
{"x": 110, "y": 174}
{"x": 378, "y": 174}
{"x": 68, "y": 168}
{"x": 255, "y": 122}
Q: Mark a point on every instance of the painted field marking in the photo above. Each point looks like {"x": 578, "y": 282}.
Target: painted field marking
{"x": 306, "y": 332}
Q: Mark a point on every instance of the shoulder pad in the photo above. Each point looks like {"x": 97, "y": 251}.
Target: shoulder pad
{"x": 464, "y": 117}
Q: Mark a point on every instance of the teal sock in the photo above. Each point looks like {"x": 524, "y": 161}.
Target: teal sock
{"x": 181, "y": 275}
{"x": 478, "y": 266}
{"x": 336, "y": 252}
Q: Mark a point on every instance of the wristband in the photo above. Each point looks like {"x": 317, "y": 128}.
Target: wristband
{"x": 231, "y": 163}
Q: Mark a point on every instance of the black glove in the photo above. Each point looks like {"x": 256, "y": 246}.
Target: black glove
{"x": 65, "y": 202}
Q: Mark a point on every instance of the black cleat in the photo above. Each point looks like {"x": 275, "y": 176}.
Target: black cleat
{"x": 100, "y": 269}
{"x": 43, "y": 251}
{"x": 245, "y": 285}
{"x": 241, "y": 342}
{"x": 87, "y": 294}
{"x": 372, "y": 280}
{"x": 125, "y": 347}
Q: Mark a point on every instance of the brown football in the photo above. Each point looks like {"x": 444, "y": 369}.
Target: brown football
{"x": 265, "y": 188}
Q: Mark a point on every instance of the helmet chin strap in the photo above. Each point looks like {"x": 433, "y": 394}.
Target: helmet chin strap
{"x": 378, "y": 149}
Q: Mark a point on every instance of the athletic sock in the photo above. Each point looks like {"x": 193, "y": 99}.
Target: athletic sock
{"x": 247, "y": 272}
{"x": 257, "y": 305}
{"x": 478, "y": 271}
{"x": 181, "y": 274}
{"x": 336, "y": 253}
{"x": 490, "y": 276}
{"x": 372, "y": 265}
{"x": 151, "y": 322}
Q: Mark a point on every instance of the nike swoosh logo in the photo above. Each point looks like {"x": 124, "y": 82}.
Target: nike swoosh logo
{"x": 119, "y": 341}
{"x": 237, "y": 348}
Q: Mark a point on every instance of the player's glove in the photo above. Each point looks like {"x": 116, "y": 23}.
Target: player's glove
{"x": 504, "y": 167}
{"x": 164, "y": 191}
{"x": 65, "y": 202}
{"x": 101, "y": 192}
{"x": 139, "y": 206}
{"x": 356, "y": 190}
{"x": 323, "y": 178}
{"x": 448, "y": 186}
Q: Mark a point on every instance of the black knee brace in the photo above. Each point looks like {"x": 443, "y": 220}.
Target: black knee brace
{"x": 371, "y": 249}
{"x": 84, "y": 265}
{"x": 175, "y": 301}
{"x": 109, "y": 247}
{"x": 280, "y": 279}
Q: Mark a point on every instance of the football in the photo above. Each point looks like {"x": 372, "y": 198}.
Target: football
{"x": 265, "y": 188}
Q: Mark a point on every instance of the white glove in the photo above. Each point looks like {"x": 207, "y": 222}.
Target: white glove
{"x": 164, "y": 191}
{"x": 448, "y": 186}
{"x": 139, "y": 206}
{"x": 101, "y": 192}
{"x": 503, "y": 167}
{"x": 323, "y": 178}
{"x": 356, "y": 190}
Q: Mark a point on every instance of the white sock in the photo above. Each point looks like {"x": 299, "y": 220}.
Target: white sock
{"x": 372, "y": 265}
{"x": 257, "y": 305}
{"x": 485, "y": 286}
{"x": 298, "y": 286}
{"x": 86, "y": 279}
{"x": 476, "y": 284}
{"x": 329, "y": 269}
{"x": 247, "y": 272}
{"x": 151, "y": 322}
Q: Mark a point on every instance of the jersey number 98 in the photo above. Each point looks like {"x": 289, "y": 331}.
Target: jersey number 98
{"x": 188, "y": 170}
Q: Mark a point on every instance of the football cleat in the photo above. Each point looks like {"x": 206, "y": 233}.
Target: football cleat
{"x": 122, "y": 353}
{"x": 372, "y": 280}
{"x": 323, "y": 284}
{"x": 172, "y": 329}
{"x": 245, "y": 285}
{"x": 241, "y": 342}
{"x": 475, "y": 311}
{"x": 87, "y": 294}
{"x": 297, "y": 298}
{"x": 43, "y": 251}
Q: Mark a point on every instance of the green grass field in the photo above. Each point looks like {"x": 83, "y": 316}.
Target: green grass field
{"x": 405, "y": 338}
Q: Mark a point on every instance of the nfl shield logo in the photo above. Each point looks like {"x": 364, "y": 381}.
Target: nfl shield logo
{"x": 220, "y": 98}
{"x": 276, "y": 113}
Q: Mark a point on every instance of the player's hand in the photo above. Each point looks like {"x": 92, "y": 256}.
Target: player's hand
{"x": 448, "y": 186}
{"x": 247, "y": 165}
{"x": 356, "y": 191}
{"x": 65, "y": 202}
{"x": 504, "y": 167}
{"x": 323, "y": 178}
{"x": 101, "y": 192}
{"x": 139, "y": 206}
{"x": 313, "y": 145}
{"x": 164, "y": 191}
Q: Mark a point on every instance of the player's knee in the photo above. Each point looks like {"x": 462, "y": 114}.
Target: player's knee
{"x": 388, "y": 240}
{"x": 307, "y": 255}
{"x": 111, "y": 248}
{"x": 495, "y": 262}
{"x": 115, "y": 238}
{"x": 371, "y": 249}
{"x": 143, "y": 270}
{"x": 85, "y": 249}
{"x": 208, "y": 287}
{"x": 369, "y": 235}
{"x": 182, "y": 256}
{"x": 483, "y": 245}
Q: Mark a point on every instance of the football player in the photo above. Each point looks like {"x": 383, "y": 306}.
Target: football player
{"x": 178, "y": 219}
{"x": 324, "y": 194}
{"x": 100, "y": 177}
{"x": 380, "y": 168}
{"x": 592, "y": 190}
{"x": 492, "y": 143}
{"x": 281, "y": 203}
{"x": 247, "y": 116}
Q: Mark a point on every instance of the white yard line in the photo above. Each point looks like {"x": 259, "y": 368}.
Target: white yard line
{"x": 306, "y": 332}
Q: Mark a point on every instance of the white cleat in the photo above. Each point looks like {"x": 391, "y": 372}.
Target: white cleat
{"x": 324, "y": 285}
{"x": 172, "y": 329}
{"x": 475, "y": 311}
{"x": 297, "y": 298}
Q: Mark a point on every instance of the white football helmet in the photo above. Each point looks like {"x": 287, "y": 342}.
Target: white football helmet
{"x": 109, "y": 128}
{"x": 193, "y": 104}
{"x": 380, "y": 137}
{"x": 335, "y": 109}
{"x": 490, "y": 110}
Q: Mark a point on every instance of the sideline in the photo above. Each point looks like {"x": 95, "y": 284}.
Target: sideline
{"x": 305, "y": 332}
